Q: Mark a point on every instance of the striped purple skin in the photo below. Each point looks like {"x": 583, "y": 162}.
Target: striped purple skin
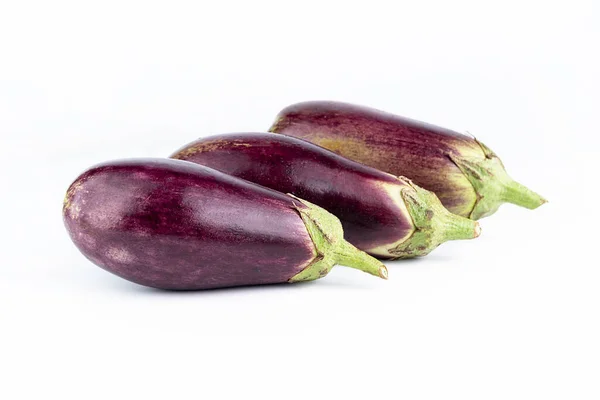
{"x": 353, "y": 192}
{"x": 390, "y": 143}
{"x": 171, "y": 224}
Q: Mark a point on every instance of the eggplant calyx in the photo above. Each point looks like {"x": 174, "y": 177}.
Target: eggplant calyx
{"x": 327, "y": 235}
{"x": 493, "y": 185}
{"x": 433, "y": 223}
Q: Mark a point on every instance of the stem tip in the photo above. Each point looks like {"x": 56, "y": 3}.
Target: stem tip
{"x": 383, "y": 272}
{"x": 477, "y": 230}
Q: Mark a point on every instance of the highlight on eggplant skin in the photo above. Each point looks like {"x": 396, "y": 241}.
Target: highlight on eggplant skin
{"x": 384, "y": 215}
{"x": 466, "y": 175}
{"x": 171, "y": 224}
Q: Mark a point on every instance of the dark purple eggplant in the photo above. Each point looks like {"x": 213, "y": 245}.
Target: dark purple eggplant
{"x": 384, "y": 215}
{"x": 466, "y": 175}
{"x": 172, "y": 224}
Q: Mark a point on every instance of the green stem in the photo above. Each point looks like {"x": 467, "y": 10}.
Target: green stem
{"x": 493, "y": 185}
{"x": 455, "y": 227}
{"x": 433, "y": 223}
{"x": 515, "y": 193}
{"x": 350, "y": 256}
{"x": 327, "y": 235}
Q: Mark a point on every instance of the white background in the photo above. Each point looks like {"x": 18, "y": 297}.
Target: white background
{"x": 511, "y": 315}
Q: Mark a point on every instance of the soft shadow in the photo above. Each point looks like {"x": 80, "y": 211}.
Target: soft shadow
{"x": 326, "y": 282}
{"x": 417, "y": 261}
{"x": 343, "y": 284}
{"x": 98, "y": 280}
{"x": 144, "y": 290}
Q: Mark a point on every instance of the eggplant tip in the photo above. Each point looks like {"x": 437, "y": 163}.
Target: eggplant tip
{"x": 383, "y": 272}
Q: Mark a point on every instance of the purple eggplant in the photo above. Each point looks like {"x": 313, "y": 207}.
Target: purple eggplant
{"x": 386, "y": 216}
{"x": 466, "y": 175}
{"x": 172, "y": 224}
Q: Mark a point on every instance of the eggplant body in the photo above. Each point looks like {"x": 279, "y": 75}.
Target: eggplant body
{"x": 175, "y": 225}
{"x": 371, "y": 204}
{"x": 467, "y": 176}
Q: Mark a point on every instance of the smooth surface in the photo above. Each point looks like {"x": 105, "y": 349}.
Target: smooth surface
{"x": 511, "y": 315}
{"x": 337, "y": 184}
{"x": 389, "y": 142}
{"x": 169, "y": 224}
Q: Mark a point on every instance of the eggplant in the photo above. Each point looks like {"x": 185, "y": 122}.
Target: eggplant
{"x": 172, "y": 224}
{"x": 466, "y": 175}
{"x": 384, "y": 215}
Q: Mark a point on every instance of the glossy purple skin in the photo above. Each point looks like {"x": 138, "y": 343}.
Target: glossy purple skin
{"x": 351, "y": 191}
{"x": 171, "y": 224}
{"x": 388, "y": 142}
